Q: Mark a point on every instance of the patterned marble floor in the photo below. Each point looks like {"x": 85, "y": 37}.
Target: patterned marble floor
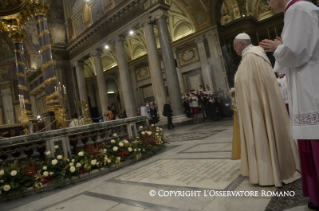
{"x": 188, "y": 175}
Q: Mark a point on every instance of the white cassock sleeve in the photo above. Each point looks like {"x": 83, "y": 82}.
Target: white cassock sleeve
{"x": 298, "y": 40}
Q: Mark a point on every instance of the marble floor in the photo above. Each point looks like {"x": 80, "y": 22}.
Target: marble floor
{"x": 188, "y": 175}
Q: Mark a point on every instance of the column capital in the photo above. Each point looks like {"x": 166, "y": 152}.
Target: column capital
{"x": 78, "y": 64}
{"x": 159, "y": 14}
{"x": 211, "y": 34}
{"x": 17, "y": 36}
{"x": 96, "y": 53}
{"x": 40, "y": 8}
{"x": 119, "y": 38}
{"x": 144, "y": 22}
{"x": 199, "y": 39}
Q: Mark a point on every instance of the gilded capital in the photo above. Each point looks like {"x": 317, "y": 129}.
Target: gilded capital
{"x": 16, "y": 36}
{"x": 40, "y": 8}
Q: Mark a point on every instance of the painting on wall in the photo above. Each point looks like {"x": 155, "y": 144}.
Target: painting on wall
{"x": 78, "y": 25}
{"x": 97, "y": 11}
{"x": 58, "y": 33}
{"x": 188, "y": 56}
{"x": 143, "y": 73}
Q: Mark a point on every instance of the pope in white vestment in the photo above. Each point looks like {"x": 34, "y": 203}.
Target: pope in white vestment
{"x": 269, "y": 155}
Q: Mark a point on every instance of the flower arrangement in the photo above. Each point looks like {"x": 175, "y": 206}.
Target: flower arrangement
{"x": 16, "y": 178}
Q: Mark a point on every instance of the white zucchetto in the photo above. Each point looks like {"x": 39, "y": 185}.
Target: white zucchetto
{"x": 242, "y": 36}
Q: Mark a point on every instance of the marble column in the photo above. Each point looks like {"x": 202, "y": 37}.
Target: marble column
{"x": 217, "y": 60}
{"x": 6, "y": 95}
{"x": 40, "y": 9}
{"x": 154, "y": 65}
{"x": 126, "y": 83}
{"x": 169, "y": 63}
{"x": 207, "y": 76}
{"x": 104, "y": 99}
{"x": 79, "y": 67}
{"x": 17, "y": 38}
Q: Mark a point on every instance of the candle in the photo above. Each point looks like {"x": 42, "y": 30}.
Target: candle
{"x": 55, "y": 88}
{"x": 60, "y": 86}
{"x": 23, "y": 101}
{"x": 20, "y": 100}
{"x": 64, "y": 89}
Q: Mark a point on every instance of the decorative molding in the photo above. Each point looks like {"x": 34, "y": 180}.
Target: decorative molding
{"x": 6, "y": 85}
{"x": 23, "y": 88}
{"x": 19, "y": 51}
{"x": 143, "y": 73}
{"x": 16, "y": 36}
{"x": 199, "y": 39}
{"x": 20, "y": 63}
{"x": 51, "y": 96}
{"x": 45, "y": 47}
{"x": 22, "y": 75}
{"x": 44, "y": 32}
{"x": 188, "y": 56}
{"x": 160, "y": 14}
{"x": 49, "y": 81}
{"x": 144, "y": 22}
{"x": 46, "y": 65}
{"x": 41, "y": 19}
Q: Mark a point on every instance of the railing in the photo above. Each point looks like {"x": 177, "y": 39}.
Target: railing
{"x": 70, "y": 140}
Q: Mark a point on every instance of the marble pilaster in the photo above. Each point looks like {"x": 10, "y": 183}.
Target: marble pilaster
{"x": 126, "y": 83}
{"x": 154, "y": 66}
{"x": 100, "y": 81}
{"x": 179, "y": 75}
{"x": 217, "y": 60}
{"x": 81, "y": 81}
{"x": 169, "y": 63}
{"x": 207, "y": 76}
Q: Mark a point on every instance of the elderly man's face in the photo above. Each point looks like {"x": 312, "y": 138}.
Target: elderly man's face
{"x": 238, "y": 47}
{"x": 277, "y": 6}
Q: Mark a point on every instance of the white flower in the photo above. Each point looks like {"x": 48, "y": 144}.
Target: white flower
{"x": 152, "y": 125}
{"x": 121, "y": 144}
{"x": 78, "y": 165}
{"x": 143, "y": 150}
{"x": 54, "y": 162}
{"x": 71, "y": 164}
{"x": 126, "y": 141}
{"x": 141, "y": 127}
{"x": 157, "y": 128}
{"x": 149, "y": 133}
{"x": 129, "y": 149}
{"x": 44, "y": 168}
{"x": 161, "y": 129}
{"x": 115, "y": 148}
{"x": 56, "y": 146}
{"x": 108, "y": 160}
{"x": 45, "y": 173}
{"x": 113, "y": 141}
{"x": 105, "y": 157}
{"x": 51, "y": 173}
{"x": 115, "y": 135}
{"x": 80, "y": 153}
{"x": 118, "y": 158}
{"x": 93, "y": 162}
{"x": 139, "y": 149}
{"x": 143, "y": 133}
{"x": 59, "y": 157}
{"x": 1, "y": 172}
{"x": 134, "y": 150}
{"x": 48, "y": 153}
{"x": 13, "y": 173}
{"x": 104, "y": 150}
{"x": 67, "y": 160}
{"x": 6, "y": 187}
{"x": 97, "y": 163}
{"x": 156, "y": 134}
{"x": 1, "y": 181}
{"x": 72, "y": 160}
{"x": 72, "y": 169}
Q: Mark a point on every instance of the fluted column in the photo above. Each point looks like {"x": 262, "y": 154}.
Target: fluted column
{"x": 79, "y": 67}
{"x": 207, "y": 76}
{"x": 126, "y": 83}
{"x": 39, "y": 11}
{"x": 17, "y": 39}
{"x": 169, "y": 63}
{"x": 217, "y": 60}
{"x": 104, "y": 99}
{"x": 154, "y": 65}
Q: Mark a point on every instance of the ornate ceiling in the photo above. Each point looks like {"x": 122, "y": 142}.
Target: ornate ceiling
{"x": 8, "y": 8}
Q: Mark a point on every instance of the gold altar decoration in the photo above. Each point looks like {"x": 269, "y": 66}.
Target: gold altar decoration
{"x": 60, "y": 116}
{"x": 24, "y": 115}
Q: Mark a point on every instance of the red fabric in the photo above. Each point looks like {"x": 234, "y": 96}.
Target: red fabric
{"x": 309, "y": 161}
{"x": 292, "y": 3}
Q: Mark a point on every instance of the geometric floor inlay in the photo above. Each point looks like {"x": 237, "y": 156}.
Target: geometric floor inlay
{"x": 201, "y": 173}
{"x": 188, "y": 136}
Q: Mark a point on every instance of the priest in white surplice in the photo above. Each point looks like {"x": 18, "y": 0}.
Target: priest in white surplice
{"x": 298, "y": 54}
{"x": 269, "y": 155}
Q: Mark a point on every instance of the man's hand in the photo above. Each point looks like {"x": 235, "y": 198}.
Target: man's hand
{"x": 270, "y": 45}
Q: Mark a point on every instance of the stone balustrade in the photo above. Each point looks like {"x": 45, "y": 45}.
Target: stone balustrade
{"x": 70, "y": 140}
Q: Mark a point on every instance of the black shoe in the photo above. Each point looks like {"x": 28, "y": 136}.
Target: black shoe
{"x": 311, "y": 206}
